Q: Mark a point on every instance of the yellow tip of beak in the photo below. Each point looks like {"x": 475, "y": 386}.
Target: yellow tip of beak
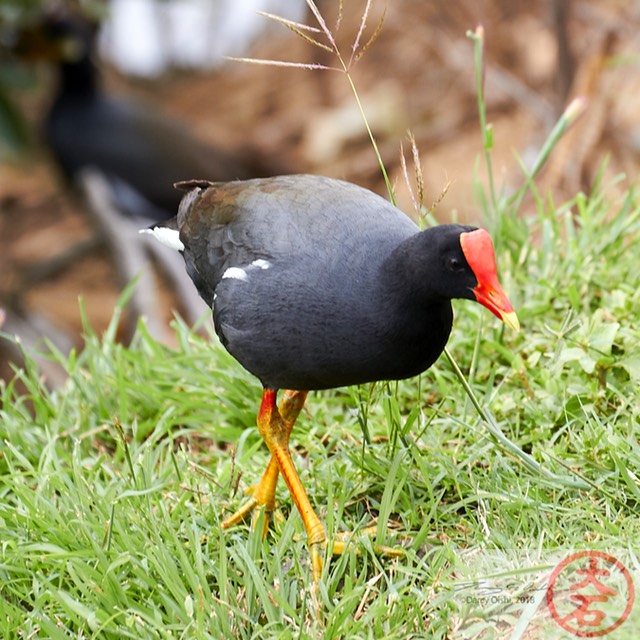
{"x": 511, "y": 320}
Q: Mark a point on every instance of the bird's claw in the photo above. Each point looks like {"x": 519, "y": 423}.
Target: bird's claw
{"x": 254, "y": 507}
{"x": 339, "y": 546}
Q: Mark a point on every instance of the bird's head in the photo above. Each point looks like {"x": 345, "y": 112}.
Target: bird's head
{"x": 58, "y": 37}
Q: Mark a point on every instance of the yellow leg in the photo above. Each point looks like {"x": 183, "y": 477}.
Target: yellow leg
{"x": 264, "y": 493}
{"x": 275, "y": 431}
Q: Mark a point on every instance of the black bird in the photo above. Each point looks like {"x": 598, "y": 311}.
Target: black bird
{"x": 317, "y": 283}
{"x": 139, "y": 150}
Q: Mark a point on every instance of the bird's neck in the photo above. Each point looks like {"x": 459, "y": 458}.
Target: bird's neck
{"x": 406, "y": 272}
{"x": 424, "y": 316}
{"x": 422, "y": 319}
{"x": 78, "y": 78}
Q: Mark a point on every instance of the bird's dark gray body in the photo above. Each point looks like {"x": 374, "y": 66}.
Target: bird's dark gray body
{"x": 317, "y": 283}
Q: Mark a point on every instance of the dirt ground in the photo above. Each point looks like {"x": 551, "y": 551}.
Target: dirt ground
{"x": 417, "y": 76}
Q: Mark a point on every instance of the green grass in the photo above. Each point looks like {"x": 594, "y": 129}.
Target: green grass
{"x": 112, "y": 489}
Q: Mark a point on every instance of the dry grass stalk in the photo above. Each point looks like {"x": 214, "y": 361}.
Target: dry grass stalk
{"x": 309, "y": 33}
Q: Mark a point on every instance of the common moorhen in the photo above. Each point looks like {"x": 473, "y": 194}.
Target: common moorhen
{"x": 317, "y": 283}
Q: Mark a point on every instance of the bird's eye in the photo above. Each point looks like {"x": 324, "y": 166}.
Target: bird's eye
{"x": 454, "y": 263}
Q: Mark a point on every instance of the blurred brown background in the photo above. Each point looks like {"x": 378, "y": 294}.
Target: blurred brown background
{"x": 417, "y": 75}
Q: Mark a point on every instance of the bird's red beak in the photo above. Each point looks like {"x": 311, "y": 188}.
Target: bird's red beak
{"x": 478, "y": 250}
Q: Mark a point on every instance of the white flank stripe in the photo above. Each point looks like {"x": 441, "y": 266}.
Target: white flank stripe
{"x": 168, "y": 237}
{"x": 236, "y": 273}
{"x": 260, "y": 264}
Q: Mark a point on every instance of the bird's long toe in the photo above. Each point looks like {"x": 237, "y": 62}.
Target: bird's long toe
{"x": 262, "y": 498}
{"x": 342, "y": 541}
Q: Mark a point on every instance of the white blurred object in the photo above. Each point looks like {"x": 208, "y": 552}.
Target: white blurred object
{"x": 145, "y": 37}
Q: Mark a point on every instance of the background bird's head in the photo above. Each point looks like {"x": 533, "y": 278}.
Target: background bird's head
{"x": 58, "y": 36}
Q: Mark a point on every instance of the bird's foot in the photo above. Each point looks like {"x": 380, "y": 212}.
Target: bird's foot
{"x": 257, "y": 504}
{"x": 262, "y": 495}
{"x": 342, "y": 541}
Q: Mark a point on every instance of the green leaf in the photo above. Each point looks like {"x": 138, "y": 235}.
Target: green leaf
{"x": 602, "y": 337}
{"x": 632, "y": 367}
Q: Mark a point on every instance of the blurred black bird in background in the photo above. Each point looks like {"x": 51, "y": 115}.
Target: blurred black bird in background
{"x": 141, "y": 151}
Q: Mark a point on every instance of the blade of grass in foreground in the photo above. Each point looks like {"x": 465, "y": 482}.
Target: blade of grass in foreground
{"x": 492, "y": 426}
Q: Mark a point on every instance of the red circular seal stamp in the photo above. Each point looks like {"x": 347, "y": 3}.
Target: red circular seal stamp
{"x": 590, "y": 594}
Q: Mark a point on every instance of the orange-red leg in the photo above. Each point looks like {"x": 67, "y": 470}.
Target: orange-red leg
{"x": 275, "y": 431}
{"x": 263, "y": 494}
